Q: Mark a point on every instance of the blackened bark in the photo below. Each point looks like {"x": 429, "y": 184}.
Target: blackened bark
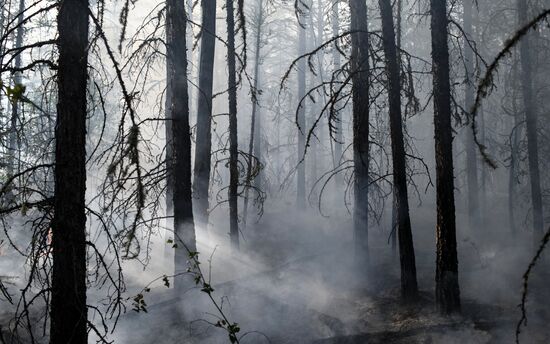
{"x": 471, "y": 154}
{"x": 169, "y": 232}
{"x": 409, "y": 287}
{"x": 184, "y": 229}
{"x": 531, "y": 124}
{"x": 203, "y": 146}
{"x": 447, "y": 288}
{"x": 233, "y": 144}
{"x": 68, "y": 299}
{"x": 360, "y": 101}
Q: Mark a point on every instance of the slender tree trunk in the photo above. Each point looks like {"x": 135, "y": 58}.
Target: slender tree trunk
{"x": 471, "y": 156}
{"x": 203, "y": 145}
{"x": 301, "y": 177}
{"x": 337, "y": 64}
{"x": 233, "y": 143}
{"x": 531, "y": 125}
{"x": 169, "y": 232}
{"x": 447, "y": 288}
{"x": 254, "y": 142}
{"x": 176, "y": 56}
{"x": 393, "y": 237}
{"x": 360, "y": 101}
{"x": 68, "y": 299}
{"x": 409, "y": 287}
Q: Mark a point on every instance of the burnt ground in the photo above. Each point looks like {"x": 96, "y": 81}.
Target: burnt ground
{"x": 298, "y": 284}
{"x": 295, "y": 281}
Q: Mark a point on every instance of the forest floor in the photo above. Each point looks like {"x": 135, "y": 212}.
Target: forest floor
{"x": 295, "y": 282}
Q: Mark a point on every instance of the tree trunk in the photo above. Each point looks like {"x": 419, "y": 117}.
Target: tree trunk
{"x": 531, "y": 126}
{"x": 409, "y": 287}
{"x": 233, "y": 143}
{"x": 471, "y": 156}
{"x": 447, "y": 288}
{"x": 301, "y": 177}
{"x": 169, "y": 232}
{"x": 338, "y": 135}
{"x": 68, "y": 299}
{"x": 360, "y": 100}
{"x": 176, "y": 59}
{"x": 254, "y": 143}
{"x": 203, "y": 145}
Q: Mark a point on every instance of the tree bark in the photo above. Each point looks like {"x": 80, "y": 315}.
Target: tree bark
{"x": 531, "y": 124}
{"x": 233, "y": 143}
{"x": 447, "y": 288}
{"x": 360, "y": 113}
{"x": 176, "y": 53}
{"x": 409, "y": 287}
{"x": 68, "y": 298}
{"x": 203, "y": 145}
{"x": 471, "y": 154}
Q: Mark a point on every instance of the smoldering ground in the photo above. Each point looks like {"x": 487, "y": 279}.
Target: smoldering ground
{"x": 295, "y": 280}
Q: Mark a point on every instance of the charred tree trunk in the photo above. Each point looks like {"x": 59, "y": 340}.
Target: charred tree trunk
{"x": 169, "y": 232}
{"x": 471, "y": 156}
{"x": 531, "y": 126}
{"x": 393, "y": 235}
{"x": 360, "y": 100}
{"x": 447, "y": 289}
{"x": 233, "y": 144}
{"x": 203, "y": 145}
{"x": 176, "y": 59}
{"x": 409, "y": 287}
{"x": 68, "y": 299}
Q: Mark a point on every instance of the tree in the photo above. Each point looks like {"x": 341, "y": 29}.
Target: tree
{"x": 254, "y": 148}
{"x": 337, "y": 65}
{"x": 409, "y": 287}
{"x": 233, "y": 143}
{"x": 301, "y": 114}
{"x": 360, "y": 112}
{"x": 203, "y": 145}
{"x": 471, "y": 156}
{"x": 531, "y": 126}
{"x": 176, "y": 60}
{"x": 68, "y": 298}
{"x": 446, "y": 289}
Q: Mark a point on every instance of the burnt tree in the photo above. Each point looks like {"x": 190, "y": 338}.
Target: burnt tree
{"x": 409, "y": 287}
{"x": 233, "y": 143}
{"x": 176, "y": 61}
{"x": 360, "y": 113}
{"x": 203, "y": 147}
{"x": 447, "y": 290}
{"x": 68, "y": 293}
